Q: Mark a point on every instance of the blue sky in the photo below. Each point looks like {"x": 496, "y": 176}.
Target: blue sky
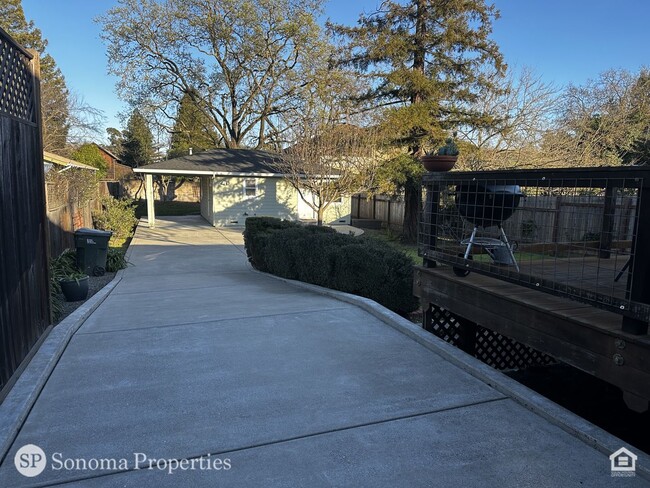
{"x": 564, "y": 41}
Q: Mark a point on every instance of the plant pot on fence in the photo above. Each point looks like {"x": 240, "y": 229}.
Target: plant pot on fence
{"x": 438, "y": 163}
{"x": 75, "y": 290}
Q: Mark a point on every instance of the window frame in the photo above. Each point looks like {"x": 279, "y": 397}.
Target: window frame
{"x": 247, "y": 187}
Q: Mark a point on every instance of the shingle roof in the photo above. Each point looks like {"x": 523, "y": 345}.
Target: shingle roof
{"x": 218, "y": 161}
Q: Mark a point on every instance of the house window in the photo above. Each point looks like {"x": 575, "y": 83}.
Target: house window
{"x": 250, "y": 187}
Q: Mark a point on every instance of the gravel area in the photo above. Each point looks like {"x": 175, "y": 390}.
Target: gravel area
{"x": 95, "y": 283}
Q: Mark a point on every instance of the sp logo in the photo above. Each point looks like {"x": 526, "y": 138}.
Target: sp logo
{"x": 30, "y": 460}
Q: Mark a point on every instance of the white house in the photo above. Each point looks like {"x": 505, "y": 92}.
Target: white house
{"x": 240, "y": 183}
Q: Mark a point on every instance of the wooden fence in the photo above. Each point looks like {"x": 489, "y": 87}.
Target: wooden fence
{"x": 539, "y": 219}
{"x": 389, "y": 210}
{"x": 65, "y": 216}
{"x": 24, "y": 283}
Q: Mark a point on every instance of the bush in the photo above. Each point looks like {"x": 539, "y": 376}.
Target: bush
{"x": 256, "y": 233}
{"x": 117, "y": 216}
{"x": 61, "y": 267}
{"x": 115, "y": 260}
{"x": 321, "y": 256}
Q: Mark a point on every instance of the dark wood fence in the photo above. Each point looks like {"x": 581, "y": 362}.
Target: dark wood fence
{"x": 24, "y": 284}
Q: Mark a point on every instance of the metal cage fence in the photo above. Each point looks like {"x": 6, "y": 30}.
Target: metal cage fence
{"x": 579, "y": 233}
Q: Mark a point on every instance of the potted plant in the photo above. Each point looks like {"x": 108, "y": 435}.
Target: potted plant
{"x": 74, "y": 286}
{"x": 444, "y": 158}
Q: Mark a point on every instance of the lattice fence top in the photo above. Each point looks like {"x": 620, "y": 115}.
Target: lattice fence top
{"x": 16, "y": 87}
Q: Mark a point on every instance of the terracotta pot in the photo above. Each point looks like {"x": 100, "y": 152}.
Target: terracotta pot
{"x": 438, "y": 163}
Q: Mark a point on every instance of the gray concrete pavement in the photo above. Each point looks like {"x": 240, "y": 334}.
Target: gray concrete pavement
{"x": 195, "y": 357}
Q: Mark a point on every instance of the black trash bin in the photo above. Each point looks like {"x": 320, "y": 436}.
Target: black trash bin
{"x": 92, "y": 248}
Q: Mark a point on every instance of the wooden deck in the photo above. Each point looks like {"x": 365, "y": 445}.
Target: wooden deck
{"x": 578, "y": 334}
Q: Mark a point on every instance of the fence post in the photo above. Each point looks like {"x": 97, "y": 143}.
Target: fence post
{"x": 556, "y": 217}
{"x": 640, "y": 262}
{"x": 388, "y": 214}
{"x": 430, "y": 223}
{"x": 374, "y": 207}
{"x": 607, "y": 228}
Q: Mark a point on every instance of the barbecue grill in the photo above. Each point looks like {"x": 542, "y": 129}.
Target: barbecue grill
{"x": 484, "y": 205}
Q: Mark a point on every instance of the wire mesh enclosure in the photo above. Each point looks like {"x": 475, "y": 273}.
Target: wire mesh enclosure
{"x": 579, "y": 233}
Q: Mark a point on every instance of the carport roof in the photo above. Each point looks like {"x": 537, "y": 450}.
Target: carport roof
{"x": 224, "y": 162}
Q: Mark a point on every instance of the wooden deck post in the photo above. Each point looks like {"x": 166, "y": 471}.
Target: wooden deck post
{"x": 151, "y": 215}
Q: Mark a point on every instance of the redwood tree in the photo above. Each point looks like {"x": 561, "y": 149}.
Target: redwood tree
{"x": 426, "y": 59}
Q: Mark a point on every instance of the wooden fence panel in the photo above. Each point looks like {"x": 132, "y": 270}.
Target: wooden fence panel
{"x": 548, "y": 219}
{"x": 24, "y": 283}
{"x": 390, "y": 210}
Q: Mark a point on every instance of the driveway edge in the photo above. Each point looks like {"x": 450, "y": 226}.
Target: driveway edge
{"x": 15, "y": 408}
{"x": 571, "y": 423}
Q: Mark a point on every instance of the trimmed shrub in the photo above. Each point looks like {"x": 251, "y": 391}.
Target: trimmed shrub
{"x": 321, "y": 256}
{"x": 302, "y": 253}
{"x": 256, "y": 234}
{"x": 376, "y": 270}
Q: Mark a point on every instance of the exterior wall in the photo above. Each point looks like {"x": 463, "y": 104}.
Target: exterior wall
{"x": 116, "y": 171}
{"x": 336, "y": 213}
{"x": 275, "y": 198}
{"x": 207, "y": 198}
{"x": 339, "y": 213}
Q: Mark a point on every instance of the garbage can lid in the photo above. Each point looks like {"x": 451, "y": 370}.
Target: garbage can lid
{"x": 93, "y": 232}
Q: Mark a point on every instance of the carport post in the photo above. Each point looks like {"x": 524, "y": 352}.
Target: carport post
{"x": 151, "y": 215}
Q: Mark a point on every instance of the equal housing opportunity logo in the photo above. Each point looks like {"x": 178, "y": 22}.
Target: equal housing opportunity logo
{"x": 623, "y": 462}
{"x": 31, "y": 460}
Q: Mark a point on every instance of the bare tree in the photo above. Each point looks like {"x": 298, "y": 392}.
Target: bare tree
{"x": 603, "y": 122}
{"x": 516, "y": 115}
{"x": 330, "y": 162}
{"x": 241, "y": 61}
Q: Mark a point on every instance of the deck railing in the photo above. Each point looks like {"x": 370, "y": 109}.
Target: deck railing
{"x": 582, "y": 233}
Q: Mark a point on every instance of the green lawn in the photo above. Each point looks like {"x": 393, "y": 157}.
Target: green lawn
{"x": 163, "y": 209}
{"x": 411, "y": 250}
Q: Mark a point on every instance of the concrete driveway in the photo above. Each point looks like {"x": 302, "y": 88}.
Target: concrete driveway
{"x": 227, "y": 377}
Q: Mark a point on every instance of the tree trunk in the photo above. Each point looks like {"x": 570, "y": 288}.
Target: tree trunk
{"x": 413, "y": 189}
{"x": 412, "y": 207}
{"x": 319, "y": 213}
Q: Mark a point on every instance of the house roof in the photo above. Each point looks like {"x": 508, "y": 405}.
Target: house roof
{"x": 116, "y": 158}
{"x": 225, "y": 162}
{"x": 52, "y": 158}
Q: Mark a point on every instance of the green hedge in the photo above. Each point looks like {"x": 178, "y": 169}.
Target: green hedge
{"x": 319, "y": 255}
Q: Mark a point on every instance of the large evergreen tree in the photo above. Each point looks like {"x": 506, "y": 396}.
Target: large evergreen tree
{"x": 426, "y": 58}
{"x": 192, "y": 129}
{"x": 54, "y": 92}
{"x": 137, "y": 145}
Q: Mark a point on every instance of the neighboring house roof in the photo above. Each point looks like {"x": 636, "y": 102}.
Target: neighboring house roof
{"x": 51, "y": 158}
{"x": 223, "y": 162}
{"x": 116, "y": 158}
